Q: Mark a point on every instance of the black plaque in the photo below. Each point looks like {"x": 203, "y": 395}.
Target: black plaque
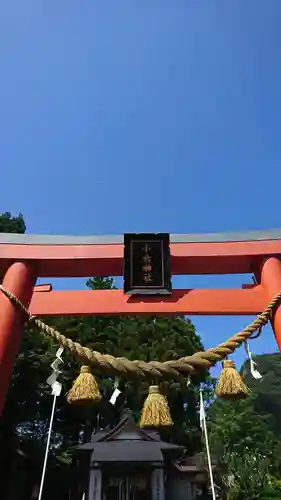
{"x": 147, "y": 264}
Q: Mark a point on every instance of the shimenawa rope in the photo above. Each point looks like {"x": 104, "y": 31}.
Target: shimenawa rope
{"x": 173, "y": 369}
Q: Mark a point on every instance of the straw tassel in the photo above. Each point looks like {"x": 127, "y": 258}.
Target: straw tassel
{"x": 85, "y": 388}
{"x": 155, "y": 412}
{"x": 230, "y": 383}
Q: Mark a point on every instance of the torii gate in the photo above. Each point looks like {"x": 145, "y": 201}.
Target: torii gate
{"x": 24, "y": 258}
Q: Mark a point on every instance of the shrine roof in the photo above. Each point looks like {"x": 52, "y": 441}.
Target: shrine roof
{"x": 128, "y": 443}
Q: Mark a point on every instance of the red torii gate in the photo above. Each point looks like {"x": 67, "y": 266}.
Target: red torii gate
{"x": 24, "y": 258}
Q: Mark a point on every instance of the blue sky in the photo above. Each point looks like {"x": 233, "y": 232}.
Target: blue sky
{"x": 157, "y": 115}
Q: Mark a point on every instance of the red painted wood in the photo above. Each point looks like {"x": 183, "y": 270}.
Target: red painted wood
{"x": 19, "y": 281}
{"x": 271, "y": 281}
{"x": 45, "y": 287}
{"x": 107, "y": 260}
{"x": 191, "y": 302}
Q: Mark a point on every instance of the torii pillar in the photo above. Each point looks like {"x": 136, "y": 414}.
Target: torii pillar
{"x": 271, "y": 282}
{"x": 20, "y": 281}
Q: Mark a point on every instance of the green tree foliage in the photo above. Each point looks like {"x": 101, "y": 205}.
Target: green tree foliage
{"x": 245, "y": 436}
{"x": 267, "y": 390}
{"x": 12, "y": 224}
{"x": 248, "y": 476}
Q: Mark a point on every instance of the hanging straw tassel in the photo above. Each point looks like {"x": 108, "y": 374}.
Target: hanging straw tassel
{"x": 155, "y": 412}
{"x": 230, "y": 384}
{"x": 85, "y": 389}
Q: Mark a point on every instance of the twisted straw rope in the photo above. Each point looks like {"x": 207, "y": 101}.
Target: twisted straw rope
{"x": 173, "y": 369}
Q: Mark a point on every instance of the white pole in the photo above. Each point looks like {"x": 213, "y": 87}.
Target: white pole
{"x": 203, "y": 419}
{"x": 47, "y": 448}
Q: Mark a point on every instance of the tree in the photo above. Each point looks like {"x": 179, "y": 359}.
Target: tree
{"x": 12, "y": 224}
{"x": 267, "y": 401}
{"x": 247, "y": 451}
{"x": 248, "y": 476}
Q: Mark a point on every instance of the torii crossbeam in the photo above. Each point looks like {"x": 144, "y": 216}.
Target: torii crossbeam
{"x": 24, "y": 258}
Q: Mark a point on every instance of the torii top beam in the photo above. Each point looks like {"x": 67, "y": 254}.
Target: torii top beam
{"x": 75, "y": 256}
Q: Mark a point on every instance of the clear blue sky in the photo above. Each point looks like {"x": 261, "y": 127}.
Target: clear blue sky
{"x": 152, "y": 115}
